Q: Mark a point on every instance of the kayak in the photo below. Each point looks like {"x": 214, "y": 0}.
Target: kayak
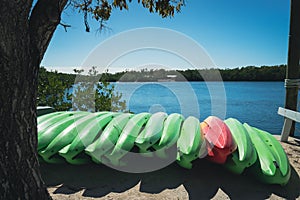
{"x": 151, "y": 133}
{"x": 191, "y": 143}
{"x": 74, "y": 152}
{"x": 245, "y": 155}
{"x": 47, "y": 120}
{"x": 170, "y": 135}
{"x": 272, "y": 165}
{"x": 128, "y": 136}
{"x": 54, "y": 126}
{"x": 108, "y": 138}
{"x": 45, "y": 117}
{"x": 65, "y": 137}
{"x": 220, "y": 143}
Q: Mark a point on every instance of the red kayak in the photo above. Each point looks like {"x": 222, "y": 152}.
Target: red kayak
{"x": 219, "y": 140}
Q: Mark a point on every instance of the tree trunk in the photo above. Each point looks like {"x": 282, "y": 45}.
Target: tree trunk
{"x": 19, "y": 168}
{"x": 24, "y": 39}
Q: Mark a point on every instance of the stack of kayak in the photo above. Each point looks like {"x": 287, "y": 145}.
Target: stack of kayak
{"x": 80, "y": 137}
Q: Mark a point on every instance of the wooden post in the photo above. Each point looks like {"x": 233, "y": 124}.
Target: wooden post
{"x": 292, "y": 71}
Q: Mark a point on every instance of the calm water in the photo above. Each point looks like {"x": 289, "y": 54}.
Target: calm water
{"x": 255, "y": 103}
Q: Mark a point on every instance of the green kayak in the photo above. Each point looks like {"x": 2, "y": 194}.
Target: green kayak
{"x": 108, "y": 139}
{"x": 74, "y": 152}
{"x": 170, "y": 135}
{"x": 128, "y": 136}
{"x": 245, "y": 156}
{"x": 65, "y": 137}
{"x": 54, "y": 126}
{"x": 151, "y": 133}
{"x": 42, "y": 118}
{"x": 48, "y": 120}
{"x": 191, "y": 143}
{"x": 272, "y": 165}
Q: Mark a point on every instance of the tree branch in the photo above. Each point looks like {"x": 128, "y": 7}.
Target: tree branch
{"x": 65, "y": 26}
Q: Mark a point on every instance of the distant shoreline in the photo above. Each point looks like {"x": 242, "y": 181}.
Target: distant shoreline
{"x": 250, "y": 73}
{"x": 190, "y": 81}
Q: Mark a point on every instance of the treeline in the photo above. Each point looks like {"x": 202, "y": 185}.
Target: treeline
{"x": 263, "y": 73}
{"x": 250, "y": 73}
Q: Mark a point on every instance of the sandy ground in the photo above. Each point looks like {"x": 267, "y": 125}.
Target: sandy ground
{"x": 204, "y": 181}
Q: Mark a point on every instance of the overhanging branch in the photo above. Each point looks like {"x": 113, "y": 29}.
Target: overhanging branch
{"x": 65, "y": 26}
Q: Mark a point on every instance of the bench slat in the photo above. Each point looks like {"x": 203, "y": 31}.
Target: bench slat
{"x": 290, "y": 116}
{"x": 293, "y": 115}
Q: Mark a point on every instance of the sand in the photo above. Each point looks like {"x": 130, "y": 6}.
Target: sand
{"x": 204, "y": 181}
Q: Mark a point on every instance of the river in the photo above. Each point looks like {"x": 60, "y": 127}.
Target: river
{"x": 255, "y": 103}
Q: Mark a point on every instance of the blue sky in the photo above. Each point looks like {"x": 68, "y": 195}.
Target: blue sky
{"x": 234, "y": 33}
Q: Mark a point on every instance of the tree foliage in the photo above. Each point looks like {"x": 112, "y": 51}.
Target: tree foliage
{"x": 251, "y": 73}
{"x": 101, "y": 10}
{"x": 94, "y": 93}
{"x": 54, "y": 89}
{"x": 89, "y": 93}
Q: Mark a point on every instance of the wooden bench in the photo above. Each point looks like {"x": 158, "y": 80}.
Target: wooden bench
{"x": 290, "y": 116}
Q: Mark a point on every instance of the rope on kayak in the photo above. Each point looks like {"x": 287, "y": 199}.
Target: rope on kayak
{"x": 292, "y": 83}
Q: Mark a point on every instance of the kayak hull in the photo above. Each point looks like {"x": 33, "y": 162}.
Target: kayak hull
{"x": 220, "y": 143}
{"x": 245, "y": 155}
{"x": 272, "y": 165}
{"x": 191, "y": 144}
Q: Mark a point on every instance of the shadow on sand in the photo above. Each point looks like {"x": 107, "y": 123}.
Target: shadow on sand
{"x": 201, "y": 182}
